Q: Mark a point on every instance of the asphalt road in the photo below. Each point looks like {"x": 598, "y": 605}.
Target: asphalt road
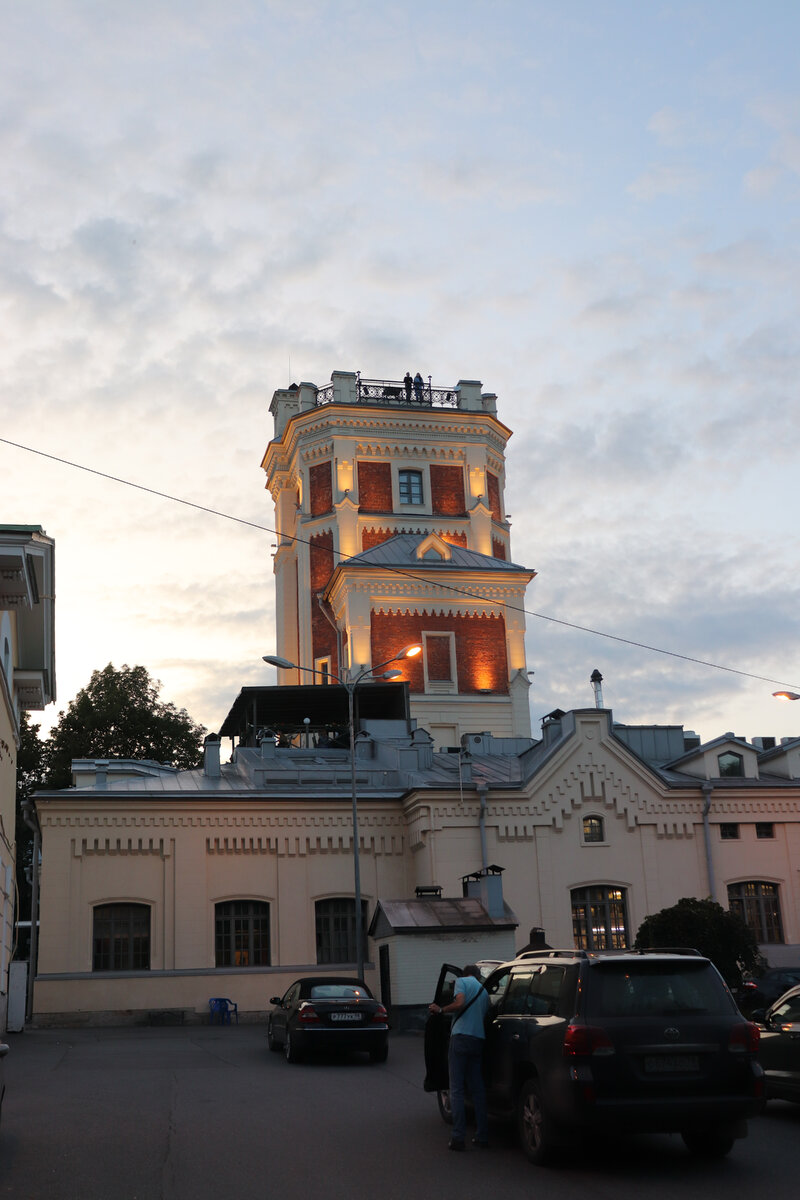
{"x": 206, "y": 1113}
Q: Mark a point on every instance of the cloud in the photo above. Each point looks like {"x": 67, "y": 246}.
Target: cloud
{"x": 664, "y": 180}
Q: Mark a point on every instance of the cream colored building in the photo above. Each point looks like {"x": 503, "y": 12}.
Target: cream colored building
{"x": 235, "y": 879}
{"x": 162, "y": 889}
{"x": 27, "y": 682}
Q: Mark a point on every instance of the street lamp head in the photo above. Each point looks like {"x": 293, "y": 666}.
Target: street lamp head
{"x": 408, "y": 652}
{"x": 786, "y": 695}
{"x": 390, "y": 675}
{"x": 275, "y": 660}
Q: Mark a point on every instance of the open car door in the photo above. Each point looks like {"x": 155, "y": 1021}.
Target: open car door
{"x": 437, "y": 1032}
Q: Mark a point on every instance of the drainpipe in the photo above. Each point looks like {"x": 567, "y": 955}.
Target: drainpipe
{"x": 324, "y": 608}
{"x": 29, "y": 817}
{"x": 482, "y": 794}
{"x": 708, "y": 788}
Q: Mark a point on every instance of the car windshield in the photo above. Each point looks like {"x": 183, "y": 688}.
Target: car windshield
{"x": 656, "y": 989}
{"x": 338, "y": 991}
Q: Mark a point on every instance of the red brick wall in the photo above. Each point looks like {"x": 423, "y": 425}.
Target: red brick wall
{"x": 447, "y": 491}
{"x": 481, "y": 660}
{"x": 374, "y": 486}
{"x": 455, "y": 539}
{"x": 498, "y": 549}
{"x": 323, "y": 637}
{"x": 493, "y": 497}
{"x": 321, "y": 488}
{"x": 373, "y": 537}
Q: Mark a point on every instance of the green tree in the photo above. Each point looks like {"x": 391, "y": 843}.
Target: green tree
{"x": 30, "y": 775}
{"x": 706, "y": 926}
{"x": 119, "y": 715}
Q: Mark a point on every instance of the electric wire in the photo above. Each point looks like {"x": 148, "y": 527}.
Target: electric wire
{"x": 394, "y": 570}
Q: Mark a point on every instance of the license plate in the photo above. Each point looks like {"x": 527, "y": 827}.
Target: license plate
{"x": 671, "y": 1064}
{"x": 345, "y": 1016}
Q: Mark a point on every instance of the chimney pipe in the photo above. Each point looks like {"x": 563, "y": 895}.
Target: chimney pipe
{"x": 596, "y": 680}
{"x": 211, "y": 749}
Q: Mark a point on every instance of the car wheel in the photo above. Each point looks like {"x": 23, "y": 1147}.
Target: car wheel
{"x": 535, "y": 1126}
{"x": 445, "y": 1107}
{"x": 380, "y": 1055}
{"x": 273, "y": 1045}
{"x": 713, "y": 1141}
{"x": 290, "y": 1051}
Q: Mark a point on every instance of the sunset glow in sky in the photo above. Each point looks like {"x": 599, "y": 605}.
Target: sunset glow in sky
{"x": 592, "y": 207}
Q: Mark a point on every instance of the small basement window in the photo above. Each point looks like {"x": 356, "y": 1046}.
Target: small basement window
{"x": 765, "y": 829}
{"x": 729, "y": 831}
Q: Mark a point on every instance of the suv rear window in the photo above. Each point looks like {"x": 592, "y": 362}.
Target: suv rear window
{"x": 655, "y": 989}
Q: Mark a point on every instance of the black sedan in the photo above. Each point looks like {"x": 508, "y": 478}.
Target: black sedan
{"x": 779, "y": 1046}
{"x": 766, "y": 989}
{"x": 324, "y": 1012}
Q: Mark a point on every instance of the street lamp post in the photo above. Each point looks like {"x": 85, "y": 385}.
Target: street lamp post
{"x": 350, "y": 686}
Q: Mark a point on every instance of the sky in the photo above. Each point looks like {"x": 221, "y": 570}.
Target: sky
{"x": 592, "y": 207}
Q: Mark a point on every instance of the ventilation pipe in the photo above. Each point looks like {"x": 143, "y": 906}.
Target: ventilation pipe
{"x": 483, "y": 791}
{"x": 596, "y": 680}
{"x": 211, "y": 748}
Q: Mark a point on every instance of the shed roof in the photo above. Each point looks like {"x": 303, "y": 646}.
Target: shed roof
{"x": 446, "y": 915}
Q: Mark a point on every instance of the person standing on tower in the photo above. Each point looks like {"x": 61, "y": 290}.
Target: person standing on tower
{"x": 408, "y": 383}
{"x": 418, "y": 387}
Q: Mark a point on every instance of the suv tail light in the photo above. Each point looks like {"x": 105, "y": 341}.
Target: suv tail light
{"x": 307, "y": 1014}
{"x": 585, "y": 1040}
{"x": 744, "y": 1038}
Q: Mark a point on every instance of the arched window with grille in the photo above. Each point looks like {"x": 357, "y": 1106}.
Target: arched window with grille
{"x": 121, "y": 937}
{"x": 241, "y": 933}
{"x": 600, "y": 918}
{"x": 336, "y": 929}
{"x": 758, "y": 904}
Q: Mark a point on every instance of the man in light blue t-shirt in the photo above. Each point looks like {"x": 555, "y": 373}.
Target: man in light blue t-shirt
{"x": 470, "y": 1004}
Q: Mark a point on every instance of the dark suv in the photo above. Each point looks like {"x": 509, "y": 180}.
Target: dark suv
{"x": 614, "y": 1042}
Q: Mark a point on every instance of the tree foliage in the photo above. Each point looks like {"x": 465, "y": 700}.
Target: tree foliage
{"x": 119, "y": 715}
{"x": 706, "y": 926}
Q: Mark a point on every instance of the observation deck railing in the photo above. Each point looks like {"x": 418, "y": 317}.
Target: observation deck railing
{"x": 396, "y": 392}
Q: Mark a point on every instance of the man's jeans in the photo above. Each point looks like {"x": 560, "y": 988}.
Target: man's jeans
{"x": 464, "y": 1063}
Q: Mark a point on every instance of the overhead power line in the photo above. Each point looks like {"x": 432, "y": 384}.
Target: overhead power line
{"x": 215, "y": 512}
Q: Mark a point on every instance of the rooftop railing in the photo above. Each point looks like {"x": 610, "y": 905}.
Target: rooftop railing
{"x": 421, "y": 394}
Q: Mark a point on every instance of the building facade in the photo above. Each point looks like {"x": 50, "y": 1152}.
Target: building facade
{"x": 162, "y": 889}
{"x": 27, "y": 682}
{"x": 390, "y": 516}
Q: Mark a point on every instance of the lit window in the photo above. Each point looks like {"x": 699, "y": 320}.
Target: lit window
{"x": 593, "y": 830}
{"x": 241, "y": 933}
{"x": 600, "y": 918}
{"x": 758, "y": 905}
{"x": 730, "y": 764}
{"x": 410, "y": 486}
{"x": 121, "y": 937}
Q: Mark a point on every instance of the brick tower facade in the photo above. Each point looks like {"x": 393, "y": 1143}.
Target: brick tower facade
{"x": 391, "y": 529}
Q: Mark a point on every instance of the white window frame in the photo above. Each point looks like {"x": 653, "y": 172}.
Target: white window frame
{"x": 324, "y": 668}
{"x": 420, "y": 469}
{"x": 440, "y": 687}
